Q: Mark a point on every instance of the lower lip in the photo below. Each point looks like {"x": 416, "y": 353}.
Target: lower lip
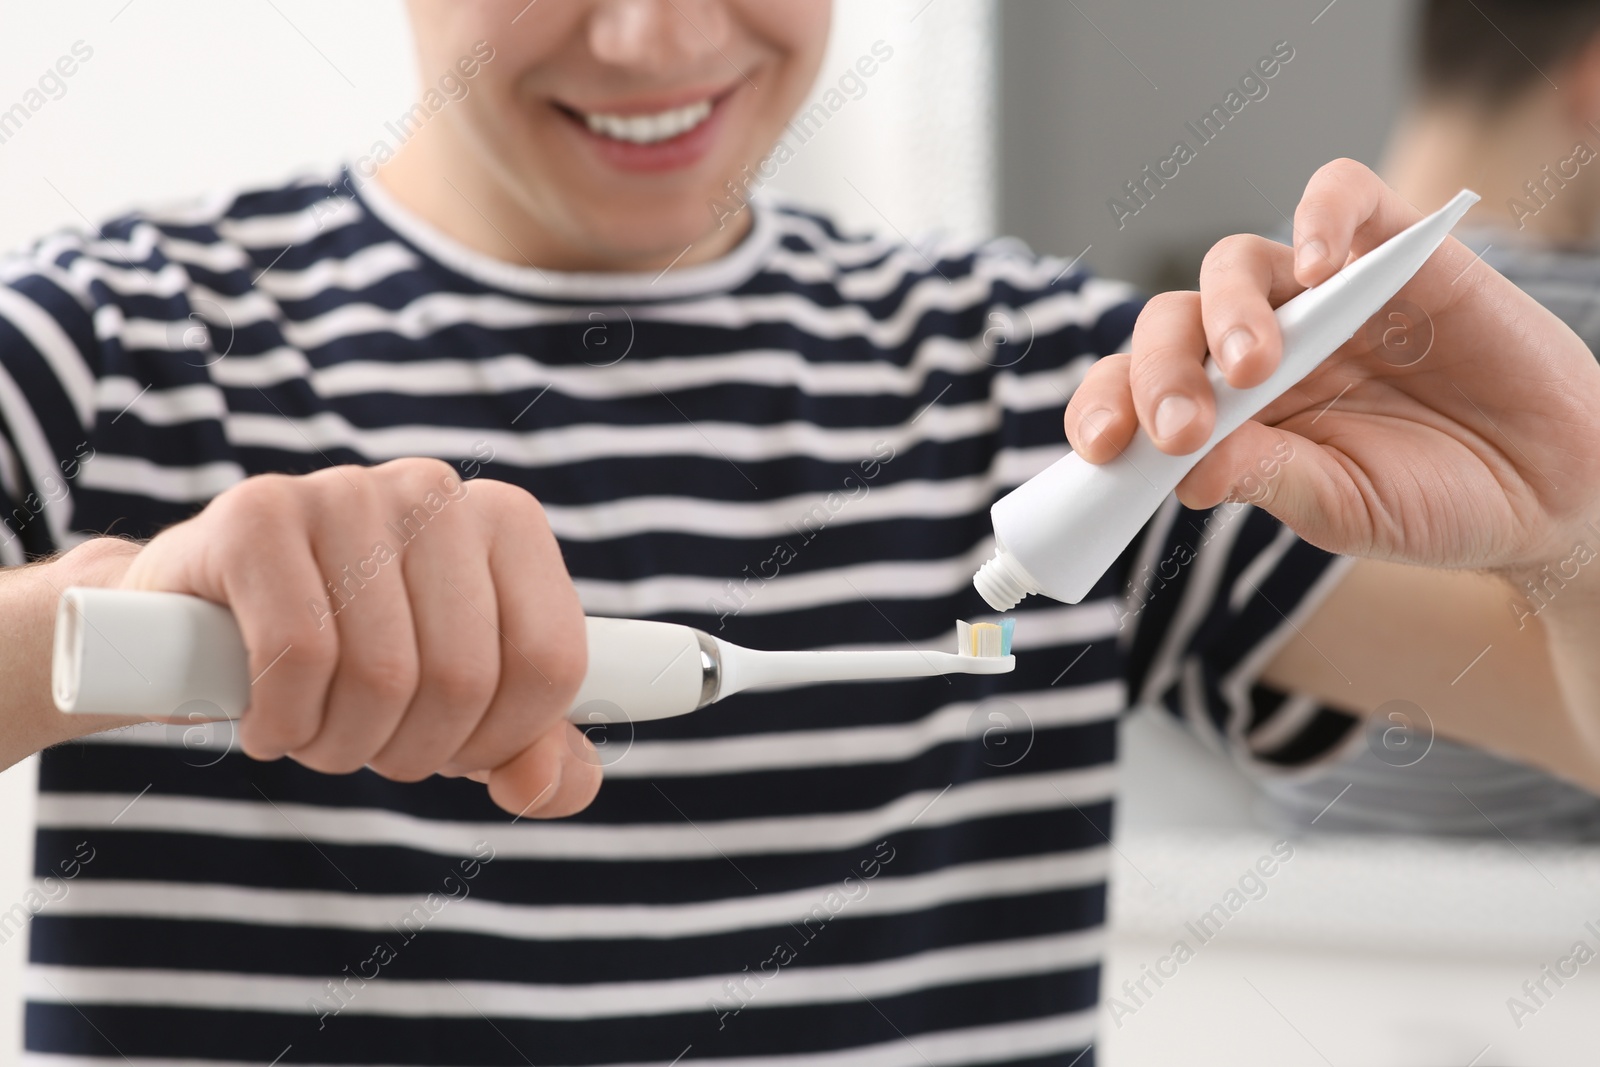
{"x": 684, "y": 150}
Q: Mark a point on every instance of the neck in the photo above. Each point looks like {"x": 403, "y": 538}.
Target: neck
{"x": 1440, "y": 147}
{"x": 439, "y": 176}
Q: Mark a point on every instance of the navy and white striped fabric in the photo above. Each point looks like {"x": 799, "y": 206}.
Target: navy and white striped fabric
{"x": 794, "y": 446}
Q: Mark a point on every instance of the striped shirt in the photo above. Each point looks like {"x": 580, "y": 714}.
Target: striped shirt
{"x": 793, "y": 446}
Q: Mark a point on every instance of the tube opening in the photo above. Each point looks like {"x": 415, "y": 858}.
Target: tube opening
{"x": 1002, "y": 582}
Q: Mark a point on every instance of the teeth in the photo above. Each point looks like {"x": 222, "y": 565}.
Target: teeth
{"x": 648, "y": 129}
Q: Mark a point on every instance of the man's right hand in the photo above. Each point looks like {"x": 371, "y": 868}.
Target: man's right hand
{"x": 397, "y": 618}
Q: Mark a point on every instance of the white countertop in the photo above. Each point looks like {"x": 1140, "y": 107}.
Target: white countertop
{"x": 1360, "y": 951}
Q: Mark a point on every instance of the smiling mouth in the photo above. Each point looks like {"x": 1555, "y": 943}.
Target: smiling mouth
{"x": 649, "y": 129}
{"x": 646, "y": 128}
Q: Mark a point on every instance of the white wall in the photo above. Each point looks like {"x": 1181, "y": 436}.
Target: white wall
{"x": 918, "y": 147}
{"x": 181, "y": 97}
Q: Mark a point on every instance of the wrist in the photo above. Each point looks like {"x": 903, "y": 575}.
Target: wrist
{"x": 29, "y": 596}
{"x": 1563, "y": 588}
{"x": 1561, "y": 599}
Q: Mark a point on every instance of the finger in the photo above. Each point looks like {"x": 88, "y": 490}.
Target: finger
{"x": 292, "y": 643}
{"x": 1346, "y": 210}
{"x": 481, "y": 777}
{"x": 1241, "y": 280}
{"x": 549, "y": 779}
{"x": 1099, "y": 419}
{"x": 452, "y": 598}
{"x": 1170, "y": 390}
{"x": 377, "y": 673}
{"x": 539, "y": 631}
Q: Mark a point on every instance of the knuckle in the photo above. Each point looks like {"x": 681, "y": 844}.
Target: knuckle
{"x": 418, "y": 474}
{"x": 1169, "y": 304}
{"x": 385, "y": 676}
{"x": 1107, "y": 374}
{"x": 297, "y": 647}
{"x": 514, "y": 503}
{"x": 266, "y": 731}
{"x": 1230, "y": 252}
{"x": 337, "y": 478}
{"x": 461, "y": 684}
{"x": 1329, "y": 187}
{"x": 258, "y": 500}
{"x": 1149, "y": 368}
{"x": 1345, "y": 169}
{"x": 1164, "y": 315}
{"x": 399, "y": 768}
{"x": 1161, "y": 367}
{"x": 329, "y": 762}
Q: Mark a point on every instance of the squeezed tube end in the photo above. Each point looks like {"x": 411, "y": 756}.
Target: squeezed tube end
{"x": 1002, "y": 582}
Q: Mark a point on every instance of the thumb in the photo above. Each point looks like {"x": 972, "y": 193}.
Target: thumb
{"x": 1282, "y": 473}
{"x": 557, "y": 775}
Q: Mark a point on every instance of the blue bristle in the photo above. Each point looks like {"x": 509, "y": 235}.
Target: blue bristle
{"x": 1006, "y": 626}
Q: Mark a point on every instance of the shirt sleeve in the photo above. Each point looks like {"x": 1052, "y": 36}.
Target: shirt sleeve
{"x": 1208, "y": 599}
{"x": 49, "y": 363}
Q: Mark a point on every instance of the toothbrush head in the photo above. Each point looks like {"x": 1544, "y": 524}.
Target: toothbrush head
{"x": 984, "y": 639}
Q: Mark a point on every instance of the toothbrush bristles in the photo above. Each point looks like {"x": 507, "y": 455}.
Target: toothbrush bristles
{"x": 983, "y": 639}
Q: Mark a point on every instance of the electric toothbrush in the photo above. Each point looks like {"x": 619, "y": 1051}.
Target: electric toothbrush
{"x": 160, "y": 655}
{"x": 1061, "y": 530}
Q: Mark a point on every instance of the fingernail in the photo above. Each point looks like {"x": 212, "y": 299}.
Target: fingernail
{"x": 1173, "y": 414}
{"x": 1233, "y": 348}
{"x": 1313, "y": 253}
{"x": 548, "y": 793}
{"x": 1094, "y": 425}
{"x": 590, "y": 752}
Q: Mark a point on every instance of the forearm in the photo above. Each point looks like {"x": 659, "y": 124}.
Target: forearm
{"x": 1569, "y": 618}
{"x": 29, "y": 720}
{"x": 1456, "y": 644}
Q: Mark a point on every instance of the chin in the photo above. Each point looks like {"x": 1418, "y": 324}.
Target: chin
{"x": 645, "y": 235}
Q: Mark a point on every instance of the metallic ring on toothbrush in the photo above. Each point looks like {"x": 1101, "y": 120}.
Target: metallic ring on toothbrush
{"x": 710, "y": 669}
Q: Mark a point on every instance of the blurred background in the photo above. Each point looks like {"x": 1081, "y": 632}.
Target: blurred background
{"x": 1023, "y": 117}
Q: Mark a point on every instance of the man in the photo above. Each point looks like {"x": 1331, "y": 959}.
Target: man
{"x": 876, "y": 873}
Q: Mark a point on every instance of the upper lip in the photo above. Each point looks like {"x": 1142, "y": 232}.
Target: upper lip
{"x": 649, "y": 103}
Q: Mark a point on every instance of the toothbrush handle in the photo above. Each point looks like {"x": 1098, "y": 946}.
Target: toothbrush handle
{"x": 149, "y": 654}
{"x": 166, "y": 655}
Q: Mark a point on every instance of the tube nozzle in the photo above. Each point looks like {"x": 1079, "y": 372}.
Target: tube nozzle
{"x": 1002, "y": 582}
